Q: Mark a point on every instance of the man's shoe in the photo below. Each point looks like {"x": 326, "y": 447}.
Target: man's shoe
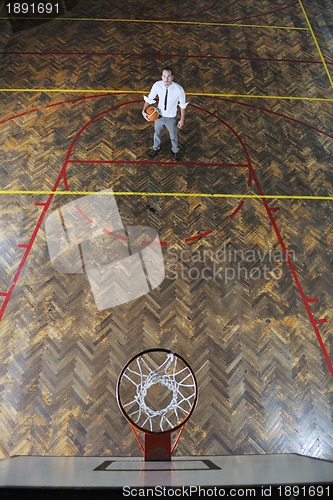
{"x": 153, "y": 153}
{"x": 177, "y": 156}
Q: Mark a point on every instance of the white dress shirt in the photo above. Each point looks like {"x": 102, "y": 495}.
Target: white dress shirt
{"x": 176, "y": 96}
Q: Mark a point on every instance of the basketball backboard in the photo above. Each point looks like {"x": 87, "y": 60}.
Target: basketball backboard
{"x": 187, "y": 475}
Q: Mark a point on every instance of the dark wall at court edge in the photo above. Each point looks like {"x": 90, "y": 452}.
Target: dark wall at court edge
{"x": 25, "y": 15}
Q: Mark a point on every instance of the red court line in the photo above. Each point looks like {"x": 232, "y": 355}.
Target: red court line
{"x": 19, "y": 115}
{"x": 239, "y": 103}
{"x": 125, "y": 238}
{"x": 59, "y": 103}
{"x": 269, "y": 111}
{"x": 321, "y": 320}
{"x": 199, "y": 236}
{"x": 305, "y": 300}
{"x": 28, "y": 247}
{"x": 154, "y": 244}
{"x": 115, "y": 235}
{"x": 78, "y": 209}
{"x": 252, "y": 175}
{"x": 237, "y": 209}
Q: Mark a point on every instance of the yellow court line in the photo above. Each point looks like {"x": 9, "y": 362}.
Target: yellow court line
{"x": 316, "y": 43}
{"x": 186, "y": 195}
{"x": 143, "y": 92}
{"x": 157, "y": 21}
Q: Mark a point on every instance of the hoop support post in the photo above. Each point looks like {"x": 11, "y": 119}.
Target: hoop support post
{"x": 158, "y": 446}
{"x": 137, "y": 438}
{"x": 177, "y": 438}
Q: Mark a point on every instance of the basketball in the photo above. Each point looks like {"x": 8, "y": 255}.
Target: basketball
{"x": 152, "y": 113}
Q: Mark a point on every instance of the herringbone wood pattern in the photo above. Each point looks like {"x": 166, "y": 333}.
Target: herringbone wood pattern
{"x": 231, "y": 304}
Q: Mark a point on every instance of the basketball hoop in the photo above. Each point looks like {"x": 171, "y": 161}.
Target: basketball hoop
{"x": 157, "y": 393}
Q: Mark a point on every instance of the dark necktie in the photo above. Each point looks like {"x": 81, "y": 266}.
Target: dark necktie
{"x": 166, "y": 99}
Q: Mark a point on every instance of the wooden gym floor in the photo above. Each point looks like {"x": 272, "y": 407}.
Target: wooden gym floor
{"x": 245, "y": 219}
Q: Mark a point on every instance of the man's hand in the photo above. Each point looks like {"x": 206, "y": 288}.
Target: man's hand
{"x": 145, "y": 115}
{"x": 180, "y": 124}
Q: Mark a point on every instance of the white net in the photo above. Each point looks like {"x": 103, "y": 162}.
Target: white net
{"x": 157, "y": 395}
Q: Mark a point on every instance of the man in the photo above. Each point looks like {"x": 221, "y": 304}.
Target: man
{"x": 170, "y": 96}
